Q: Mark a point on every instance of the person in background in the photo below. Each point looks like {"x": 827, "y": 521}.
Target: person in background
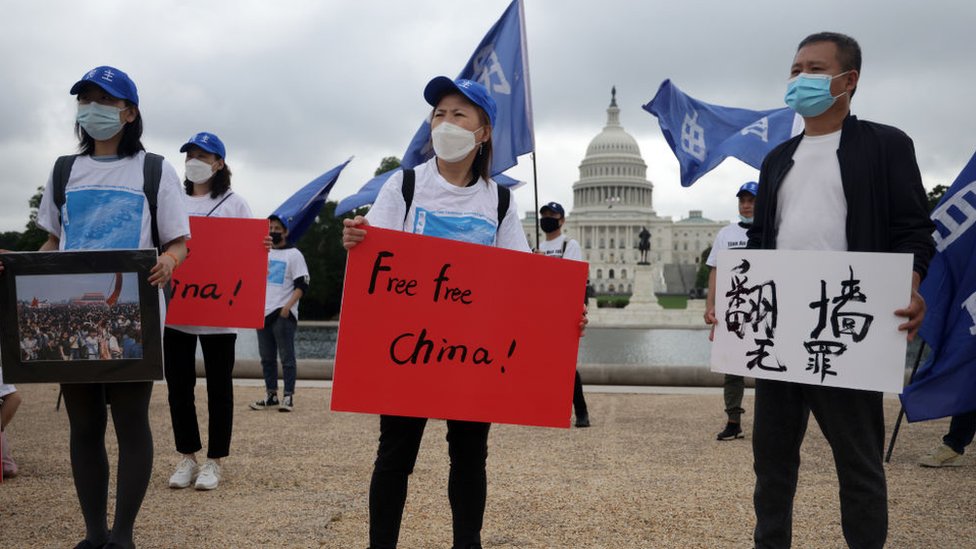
{"x": 207, "y": 193}
{"x": 9, "y": 402}
{"x": 962, "y": 429}
{"x": 731, "y": 237}
{"x": 287, "y": 283}
{"x": 556, "y": 244}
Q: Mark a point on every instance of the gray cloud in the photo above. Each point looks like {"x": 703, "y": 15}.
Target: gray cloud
{"x": 297, "y": 87}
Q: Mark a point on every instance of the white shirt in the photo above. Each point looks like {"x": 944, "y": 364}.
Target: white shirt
{"x": 284, "y": 266}
{"x": 731, "y": 237}
{"x": 5, "y": 388}
{"x": 811, "y": 209}
{"x": 440, "y": 209}
{"x": 554, "y": 248}
{"x": 200, "y": 206}
{"x": 105, "y": 208}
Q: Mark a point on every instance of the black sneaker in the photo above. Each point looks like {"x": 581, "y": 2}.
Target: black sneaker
{"x": 583, "y": 421}
{"x": 286, "y": 404}
{"x": 732, "y": 431}
{"x": 267, "y": 403}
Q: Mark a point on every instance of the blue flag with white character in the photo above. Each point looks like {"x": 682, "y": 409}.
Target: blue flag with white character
{"x": 299, "y": 211}
{"x": 500, "y": 64}
{"x": 702, "y": 135}
{"x": 946, "y": 384}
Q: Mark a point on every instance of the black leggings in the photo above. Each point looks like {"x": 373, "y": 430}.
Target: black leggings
{"x": 467, "y": 485}
{"x": 179, "y": 360}
{"x": 87, "y": 415}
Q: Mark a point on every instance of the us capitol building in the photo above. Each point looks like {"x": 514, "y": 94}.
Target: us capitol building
{"x": 613, "y": 202}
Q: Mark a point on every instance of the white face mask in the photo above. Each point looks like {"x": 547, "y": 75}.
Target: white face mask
{"x": 198, "y": 171}
{"x": 452, "y": 143}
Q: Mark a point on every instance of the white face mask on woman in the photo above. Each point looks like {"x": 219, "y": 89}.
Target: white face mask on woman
{"x": 452, "y": 143}
{"x": 198, "y": 171}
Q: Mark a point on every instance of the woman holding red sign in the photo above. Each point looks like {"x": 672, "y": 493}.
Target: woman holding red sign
{"x": 449, "y": 196}
{"x": 208, "y": 194}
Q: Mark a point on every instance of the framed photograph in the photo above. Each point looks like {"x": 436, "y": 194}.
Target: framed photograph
{"x": 79, "y": 317}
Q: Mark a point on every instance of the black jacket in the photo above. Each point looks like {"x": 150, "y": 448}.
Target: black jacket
{"x": 887, "y": 210}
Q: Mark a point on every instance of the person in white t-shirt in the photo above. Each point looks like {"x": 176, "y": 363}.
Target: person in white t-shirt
{"x": 106, "y": 208}
{"x": 207, "y": 193}
{"x": 731, "y": 237}
{"x": 454, "y": 197}
{"x": 287, "y": 283}
{"x": 551, "y": 219}
{"x": 9, "y": 402}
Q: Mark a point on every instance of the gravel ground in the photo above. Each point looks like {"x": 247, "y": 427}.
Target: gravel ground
{"x": 647, "y": 474}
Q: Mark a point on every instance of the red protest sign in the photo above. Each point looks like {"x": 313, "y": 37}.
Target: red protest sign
{"x": 443, "y": 329}
{"x": 223, "y": 279}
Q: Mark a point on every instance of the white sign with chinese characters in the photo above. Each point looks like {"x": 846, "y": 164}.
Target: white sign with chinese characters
{"x": 821, "y": 318}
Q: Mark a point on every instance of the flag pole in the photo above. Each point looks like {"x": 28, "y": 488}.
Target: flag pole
{"x": 901, "y": 412}
{"x": 535, "y": 187}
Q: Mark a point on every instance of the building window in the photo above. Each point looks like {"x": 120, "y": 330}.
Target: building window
{"x": 611, "y": 274}
{"x": 611, "y": 243}
{"x": 599, "y": 274}
{"x": 623, "y": 273}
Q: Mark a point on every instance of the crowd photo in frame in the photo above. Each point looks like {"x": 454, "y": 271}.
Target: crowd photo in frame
{"x": 79, "y": 317}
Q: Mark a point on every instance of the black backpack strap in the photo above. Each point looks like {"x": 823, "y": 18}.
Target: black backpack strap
{"x": 504, "y": 199}
{"x": 62, "y": 171}
{"x": 152, "y": 174}
{"x": 565, "y": 243}
{"x": 409, "y": 182}
{"x": 212, "y": 210}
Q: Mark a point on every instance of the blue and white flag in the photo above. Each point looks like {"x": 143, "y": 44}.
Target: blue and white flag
{"x": 500, "y": 63}
{"x": 702, "y": 135}
{"x": 946, "y": 384}
{"x": 299, "y": 211}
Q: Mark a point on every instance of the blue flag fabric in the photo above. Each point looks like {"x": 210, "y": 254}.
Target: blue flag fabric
{"x": 702, "y": 135}
{"x": 946, "y": 384}
{"x": 501, "y": 65}
{"x": 299, "y": 211}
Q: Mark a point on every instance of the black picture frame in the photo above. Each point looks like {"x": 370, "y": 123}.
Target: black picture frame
{"x": 23, "y": 264}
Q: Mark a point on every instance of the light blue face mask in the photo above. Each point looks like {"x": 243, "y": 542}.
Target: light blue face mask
{"x": 101, "y": 122}
{"x": 809, "y": 94}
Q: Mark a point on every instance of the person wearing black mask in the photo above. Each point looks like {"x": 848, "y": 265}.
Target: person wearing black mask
{"x": 556, "y": 244}
{"x": 287, "y": 283}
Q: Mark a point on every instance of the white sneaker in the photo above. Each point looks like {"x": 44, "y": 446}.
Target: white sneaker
{"x": 184, "y": 474}
{"x": 209, "y": 476}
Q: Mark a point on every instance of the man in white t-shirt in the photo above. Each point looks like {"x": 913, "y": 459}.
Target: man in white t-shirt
{"x": 287, "y": 283}
{"x": 843, "y": 185}
{"x": 731, "y": 237}
{"x": 556, "y": 244}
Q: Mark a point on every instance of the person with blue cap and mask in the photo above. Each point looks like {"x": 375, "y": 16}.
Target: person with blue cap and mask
{"x": 731, "y": 237}
{"x": 99, "y": 202}
{"x": 207, "y": 193}
{"x": 450, "y": 196}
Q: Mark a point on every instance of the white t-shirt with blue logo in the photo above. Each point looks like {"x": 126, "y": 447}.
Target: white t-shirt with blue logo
{"x": 105, "y": 208}
{"x": 284, "y": 266}
{"x": 731, "y": 237}
{"x": 440, "y": 209}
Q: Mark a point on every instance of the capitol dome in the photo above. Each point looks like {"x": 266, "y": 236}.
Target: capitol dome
{"x": 613, "y": 173}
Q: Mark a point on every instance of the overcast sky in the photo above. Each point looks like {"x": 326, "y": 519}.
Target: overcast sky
{"x": 295, "y": 87}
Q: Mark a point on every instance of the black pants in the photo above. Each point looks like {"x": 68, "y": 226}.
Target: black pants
{"x": 179, "y": 358}
{"x": 579, "y": 402}
{"x": 962, "y": 428}
{"x": 852, "y": 421}
{"x": 467, "y": 484}
{"x": 88, "y": 417}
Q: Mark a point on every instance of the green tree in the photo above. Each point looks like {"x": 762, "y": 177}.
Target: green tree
{"x": 701, "y": 277}
{"x": 9, "y": 240}
{"x": 34, "y": 236}
{"x": 387, "y": 164}
{"x": 935, "y": 195}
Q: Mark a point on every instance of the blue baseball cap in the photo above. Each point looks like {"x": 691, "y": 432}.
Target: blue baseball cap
{"x": 112, "y": 80}
{"x": 439, "y": 86}
{"x": 554, "y": 207}
{"x": 751, "y": 187}
{"x": 208, "y": 142}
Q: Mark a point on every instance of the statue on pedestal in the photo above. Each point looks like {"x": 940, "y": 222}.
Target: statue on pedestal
{"x": 644, "y": 245}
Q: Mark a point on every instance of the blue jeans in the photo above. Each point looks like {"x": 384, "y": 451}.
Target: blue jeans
{"x": 962, "y": 428}
{"x": 278, "y": 338}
